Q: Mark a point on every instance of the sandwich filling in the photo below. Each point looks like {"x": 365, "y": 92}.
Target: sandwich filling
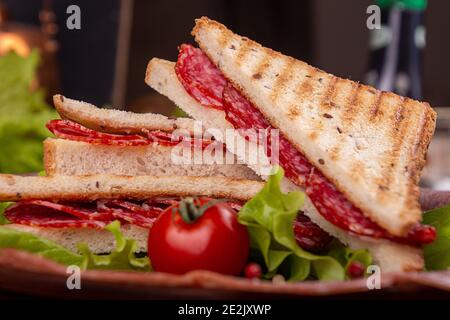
{"x": 70, "y": 130}
{"x": 98, "y": 214}
{"x": 206, "y": 84}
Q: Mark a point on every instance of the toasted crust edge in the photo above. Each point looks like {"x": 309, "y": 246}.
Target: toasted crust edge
{"x": 418, "y": 159}
{"x": 49, "y": 157}
{"x": 103, "y": 124}
{"x": 93, "y": 187}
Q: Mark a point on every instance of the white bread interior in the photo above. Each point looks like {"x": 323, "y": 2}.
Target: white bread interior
{"x": 65, "y": 157}
{"x": 370, "y": 144}
{"x": 388, "y": 255}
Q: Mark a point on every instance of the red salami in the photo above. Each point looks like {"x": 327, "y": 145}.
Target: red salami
{"x": 47, "y": 214}
{"x": 201, "y": 79}
{"x": 66, "y": 129}
{"x": 142, "y": 215}
{"x": 336, "y": 209}
{"x": 96, "y": 215}
{"x": 309, "y": 236}
{"x": 169, "y": 139}
{"x": 242, "y": 114}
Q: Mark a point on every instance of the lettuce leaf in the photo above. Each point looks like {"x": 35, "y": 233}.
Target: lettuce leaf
{"x": 269, "y": 217}
{"x": 121, "y": 258}
{"x": 10, "y": 238}
{"x": 437, "y": 254}
{"x": 3, "y": 206}
{"x": 23, "y": 114}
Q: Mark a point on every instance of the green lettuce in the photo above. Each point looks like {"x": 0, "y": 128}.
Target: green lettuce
{"x": 3, "y": 206}
{"x": 11, "y": 238}
{"x": 121, "y": 258}
{"x": 437, "y": 254}
{"x": 23, "y": 114}
{"x": 269, "y": 217}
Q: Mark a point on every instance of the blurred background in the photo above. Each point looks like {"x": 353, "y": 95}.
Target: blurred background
{"x": 104, "y": 61}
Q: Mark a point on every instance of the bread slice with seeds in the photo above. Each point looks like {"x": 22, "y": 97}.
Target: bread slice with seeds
{"x": 93, "y": 187}
{"x": 370, "y": 144}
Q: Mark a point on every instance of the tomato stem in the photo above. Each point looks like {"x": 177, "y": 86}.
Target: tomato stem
{"x": 190, "y": 208}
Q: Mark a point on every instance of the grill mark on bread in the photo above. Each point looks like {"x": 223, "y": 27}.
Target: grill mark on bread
{"x": 325, "y": 103}
{"x": 357, "y": 170}
{"x": 392, "y": 156}
{"x": 282, "y": 79}
{"x": 336, "y": 149}
{"x": 244, "y": 49}
{"x": 261, "y": 68}
{"x": 306, "y": 86}
{"x": 349, "y": 111}
{"x": 223, "y": 40}
{"x": 375, "y": 107}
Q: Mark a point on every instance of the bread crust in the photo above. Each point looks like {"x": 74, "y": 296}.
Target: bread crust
{"x": 93, "y": 187}
{"x": 381, "y": 178}
{"x": 116, "y": 121}
{"x": 50, "y": 161}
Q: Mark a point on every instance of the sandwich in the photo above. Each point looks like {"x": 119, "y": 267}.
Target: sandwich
{"x": 91, "y": 140}
{"x": 355, "y": 151}
{"x": 109, "y": 221}
{"x": 69, "y": 210}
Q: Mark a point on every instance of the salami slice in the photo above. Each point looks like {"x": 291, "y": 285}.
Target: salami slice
{"x": 44, "y": 215}
{"x": 200, "y": 77}
{"x": 66, "y": 129}
{"x": 169, "y": 139}
{"x": 309, "y": 236}
{"x": 133, "y": 213}
{"x": 205, "y": 82}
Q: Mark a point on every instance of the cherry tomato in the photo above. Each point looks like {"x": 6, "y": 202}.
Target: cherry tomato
{"x": 198, "y": 234}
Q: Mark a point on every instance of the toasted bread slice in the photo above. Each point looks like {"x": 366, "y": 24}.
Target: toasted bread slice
{"x": 161, "y": 76}
{"x": 389, "y": 256}
{"x": 116, "y": 121}
{"x": 69, "y": 158}
{"x": 370, "y": 144}
{"x": 87, "y": 188}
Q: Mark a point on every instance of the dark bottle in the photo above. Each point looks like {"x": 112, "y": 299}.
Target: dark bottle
{"x": 397, "y": 48}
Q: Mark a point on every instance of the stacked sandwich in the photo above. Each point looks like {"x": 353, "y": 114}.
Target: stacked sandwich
{"x": 355, "y": 152}
{"x": 107, "y": 165}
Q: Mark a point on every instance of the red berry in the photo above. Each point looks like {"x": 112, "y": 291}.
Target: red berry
{"x": 253, "y": 271}
{"x": 356, "y": 269}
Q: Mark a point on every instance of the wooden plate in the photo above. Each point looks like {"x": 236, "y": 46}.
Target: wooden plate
{"x": 27, "y": 274}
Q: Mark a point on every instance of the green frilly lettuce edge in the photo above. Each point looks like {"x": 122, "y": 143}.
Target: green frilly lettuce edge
{"x": 269, "y": 217}
{"x": 121, "y": 258}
